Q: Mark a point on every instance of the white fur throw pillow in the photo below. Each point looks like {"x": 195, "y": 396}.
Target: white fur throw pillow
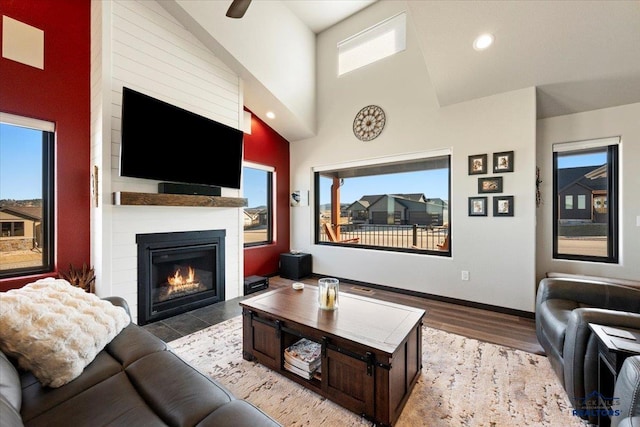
{"x": 55, "y": 329}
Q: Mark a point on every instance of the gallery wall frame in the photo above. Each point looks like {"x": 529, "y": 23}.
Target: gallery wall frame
{"x": 491, "y": 184}
{"x": 478, "y": 164}
{"x": 478, "y": 206}
{"x": 503, "y": 206}
{"x": 503, "y": 162}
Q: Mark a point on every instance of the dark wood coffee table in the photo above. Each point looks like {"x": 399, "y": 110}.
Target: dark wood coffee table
{"x": 371, "y": 349}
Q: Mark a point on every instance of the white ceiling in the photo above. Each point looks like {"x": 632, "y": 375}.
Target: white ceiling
{"x": 319, "y": 15}
{"x": 581, "y": 55}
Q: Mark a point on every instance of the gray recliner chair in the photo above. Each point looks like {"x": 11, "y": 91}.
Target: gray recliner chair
{"x": 628, "y": 392}
{"x": 564, "y": 309}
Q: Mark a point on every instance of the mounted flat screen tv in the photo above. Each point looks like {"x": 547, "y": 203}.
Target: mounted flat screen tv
{"x": 163, "y": 142}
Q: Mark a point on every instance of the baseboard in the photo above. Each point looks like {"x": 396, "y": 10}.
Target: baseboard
{"x": 465, "y": 303}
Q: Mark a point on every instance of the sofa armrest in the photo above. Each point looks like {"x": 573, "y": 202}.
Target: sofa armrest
{"x": 584, "y": 277}
{"x": 590, "y": 293}
{"x": 628, "y": 391}
{"x": 119, "y": 302}
{"x": 580, "y": 353}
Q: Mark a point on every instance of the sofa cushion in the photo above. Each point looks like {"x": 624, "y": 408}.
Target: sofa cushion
{"x": 113, "y": 402}
{"x": 176, "y": 391}
{"x": 133, "y": 343}
{"x": 55, "y": 329}
{"x": 38, "y": 399}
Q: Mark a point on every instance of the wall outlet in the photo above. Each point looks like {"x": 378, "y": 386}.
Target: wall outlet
{"x": 465, "y": 275}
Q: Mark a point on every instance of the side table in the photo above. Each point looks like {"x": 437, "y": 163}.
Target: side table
{"x": 295, "y": 265}
{"x": 614, "y": 346}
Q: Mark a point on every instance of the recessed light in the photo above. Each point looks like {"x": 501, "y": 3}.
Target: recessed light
{"x": 483, "y": 41}
{"x": 271, "y": 115}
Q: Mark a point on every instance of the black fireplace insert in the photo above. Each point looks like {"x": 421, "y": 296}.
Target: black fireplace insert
{"x": 179, "y": 272}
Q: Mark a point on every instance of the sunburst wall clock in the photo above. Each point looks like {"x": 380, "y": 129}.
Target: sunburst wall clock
{"x": 368, "y": 123}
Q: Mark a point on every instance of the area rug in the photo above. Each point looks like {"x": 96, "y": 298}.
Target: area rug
{"x": 464, "y": 382}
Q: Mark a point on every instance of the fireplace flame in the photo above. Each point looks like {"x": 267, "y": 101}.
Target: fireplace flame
{"x": 179, "y": 284}
{"x": 178, "y": 280}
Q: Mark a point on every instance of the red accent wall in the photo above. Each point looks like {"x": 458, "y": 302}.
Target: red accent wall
{"x": 60, "y": 93}
{"x": 265, "y": 146}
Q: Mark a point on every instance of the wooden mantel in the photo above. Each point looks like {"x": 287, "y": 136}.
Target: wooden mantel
{"x": 125, "y": 198}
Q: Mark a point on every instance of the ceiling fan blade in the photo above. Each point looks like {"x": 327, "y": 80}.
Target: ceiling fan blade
{"x": 238, "y": 8}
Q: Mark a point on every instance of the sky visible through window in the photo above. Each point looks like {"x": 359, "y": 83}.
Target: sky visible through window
{"x": 432, "y": 183}
{"x": 255, "y": 187}
{"x": 574, "y": 160}
{"x": 20, "y": 163}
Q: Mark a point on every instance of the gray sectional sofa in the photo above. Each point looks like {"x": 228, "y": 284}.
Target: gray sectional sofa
{"x": 134, "y": 381}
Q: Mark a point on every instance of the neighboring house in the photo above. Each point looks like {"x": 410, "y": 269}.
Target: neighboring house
{"x": 20, "y": 228}
{"x": 247, "y": 219}
{"x": 582, "y": 193}
{"x": 397, "y": 209}
{"x": 255, "y": 217}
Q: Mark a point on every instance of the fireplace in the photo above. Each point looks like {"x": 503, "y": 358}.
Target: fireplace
{"x": 179, "y": 272}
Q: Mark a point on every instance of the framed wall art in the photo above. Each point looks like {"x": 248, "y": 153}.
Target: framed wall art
{"x": 503, "y": 162}
{"x": 490, "y": 185}
{"x": 503, "y": 206}
{"x": 478, "y": 164}
{"x": 477, "y": 206}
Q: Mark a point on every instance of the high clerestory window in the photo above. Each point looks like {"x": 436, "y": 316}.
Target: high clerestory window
{"x": 585, "y": 208}
{"x": 26, "y": 196}
{"x": 373, "y": 44}
{"x": 396, "y": 204}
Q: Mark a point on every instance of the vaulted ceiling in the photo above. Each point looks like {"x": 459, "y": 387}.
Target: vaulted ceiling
{"x": 580, "y": 55}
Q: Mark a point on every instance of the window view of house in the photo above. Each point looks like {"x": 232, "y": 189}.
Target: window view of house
{"x": 401, "y": 206}
{"x": 25, "y": 193}
{"x": 584, "y": 220}
{"x": 257, "y": 188}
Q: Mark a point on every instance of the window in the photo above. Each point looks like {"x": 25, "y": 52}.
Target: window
{"x": 257, "y": 185}
{"x": 587, "y": 172}
{"x": 398, "y": 205}
{"x": 373, "y": 44}
{"x": 26, "y": 196}
{"x": 582, "y": 201}
{"x": 568, "y": 202}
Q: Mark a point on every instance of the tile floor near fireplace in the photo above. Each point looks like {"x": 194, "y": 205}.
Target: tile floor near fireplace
{"x": 186, "y": 323}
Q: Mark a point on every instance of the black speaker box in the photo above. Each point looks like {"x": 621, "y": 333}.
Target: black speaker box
{"x": 255, "y": 283}
{"x": 192, "y": 189}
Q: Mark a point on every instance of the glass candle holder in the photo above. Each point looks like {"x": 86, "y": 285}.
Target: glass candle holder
{"x": 328, "y": 291}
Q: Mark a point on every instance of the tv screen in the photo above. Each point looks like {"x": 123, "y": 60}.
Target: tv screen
{"x": 163, "y": 142}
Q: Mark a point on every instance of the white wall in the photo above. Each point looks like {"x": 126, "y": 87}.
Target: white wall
{"x": 141, "y": 46}
{"x": 616, "y": 121}
{"x": 270, "y": 48}
{"x": 499, "y": 253}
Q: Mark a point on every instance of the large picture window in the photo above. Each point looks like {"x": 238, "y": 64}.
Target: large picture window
{"x": 396, "y": 206}
{"x": 257, "y": 185}
{"x": 26, "y": 196}
{"x": 585, "y": 203}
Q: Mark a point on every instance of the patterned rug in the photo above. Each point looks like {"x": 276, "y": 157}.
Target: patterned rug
{"x": 464, "y": 382}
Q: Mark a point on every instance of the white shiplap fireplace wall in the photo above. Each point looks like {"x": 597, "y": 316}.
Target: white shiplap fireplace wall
{"x": 139, "y": 45}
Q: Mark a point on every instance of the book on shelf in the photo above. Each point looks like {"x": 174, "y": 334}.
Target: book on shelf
{"x": 301, "y": 372}
{"x": 317, "y": 374}
{"x": 304, "y": 354}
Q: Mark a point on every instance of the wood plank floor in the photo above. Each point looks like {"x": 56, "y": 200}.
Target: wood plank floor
{"x": 484, "y": 325}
